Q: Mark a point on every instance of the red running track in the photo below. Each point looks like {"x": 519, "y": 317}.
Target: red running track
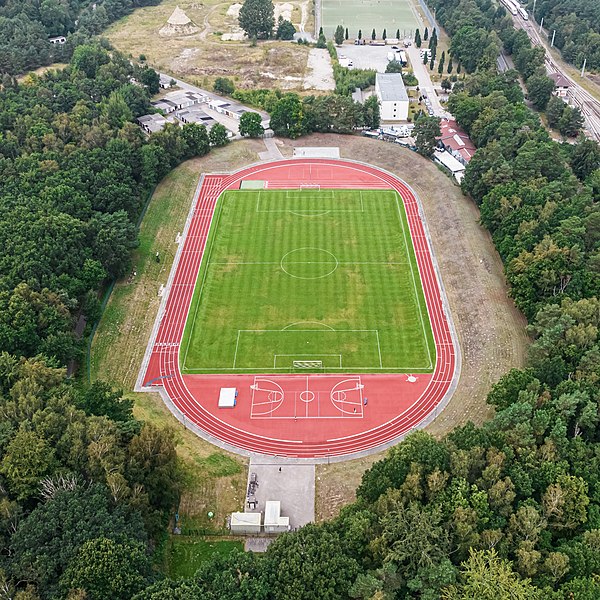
{"x": 395, "y": 405}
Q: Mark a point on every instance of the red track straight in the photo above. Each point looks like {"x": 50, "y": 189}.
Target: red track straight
{"x": 395, "y": 405}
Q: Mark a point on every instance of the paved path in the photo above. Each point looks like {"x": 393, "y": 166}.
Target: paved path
{"x": 272, "y": 152}
{"x": 421, "y": 72}
{"x": 292, "y": 484}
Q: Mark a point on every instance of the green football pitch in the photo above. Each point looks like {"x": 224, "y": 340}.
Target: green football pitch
{"x": 367, "y": 15}
{"x": 308, "y": 275}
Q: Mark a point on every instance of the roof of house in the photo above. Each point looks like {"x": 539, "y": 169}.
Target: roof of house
{"x": 446, "y": 159}
{"x": 154, "y": 122}
{"x": 456, "y": 139}
{"x": 560, "y": 80}
{"x": 391, "y": 87}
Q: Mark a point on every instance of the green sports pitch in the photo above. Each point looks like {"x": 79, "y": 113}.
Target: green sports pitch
{"x": 367, "y": 15}
{"x": 322, "y": 276}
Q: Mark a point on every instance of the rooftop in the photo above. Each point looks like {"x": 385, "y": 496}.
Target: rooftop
{"x": 560, "y": 80}
{"x": 391, "y": 86}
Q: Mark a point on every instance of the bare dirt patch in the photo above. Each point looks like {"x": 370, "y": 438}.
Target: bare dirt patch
{"x": 202, "y": 57}
{"x": 320, "y": 71}
{"x": 490, "y": 329}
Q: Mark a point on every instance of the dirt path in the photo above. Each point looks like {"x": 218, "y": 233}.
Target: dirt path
{"x": 491, "y": 330}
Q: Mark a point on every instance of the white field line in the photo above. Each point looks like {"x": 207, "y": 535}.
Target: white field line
{"x": 413, "y": 280}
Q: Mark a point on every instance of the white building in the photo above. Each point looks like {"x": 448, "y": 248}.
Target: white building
{"x": 274, "y": 522}
{"x": 245, "y": 522}
{"x": 392, "y": 95}
{"x": 452, "y": 164}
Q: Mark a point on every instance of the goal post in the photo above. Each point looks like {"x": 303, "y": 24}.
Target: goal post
{"x": 307, "y": 364}
{"x": 310, "y": 186}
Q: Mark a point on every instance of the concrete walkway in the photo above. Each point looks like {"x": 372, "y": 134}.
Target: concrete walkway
{"x": 421, "y": 72}
{"x": 272, "y": 152}
{"x": 292, "y": 484}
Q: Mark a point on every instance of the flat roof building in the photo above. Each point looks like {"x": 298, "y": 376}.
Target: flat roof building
{"x": 392, "y": 95}
{"x": 245, "y": 522}
{"x": 274, "y": 522}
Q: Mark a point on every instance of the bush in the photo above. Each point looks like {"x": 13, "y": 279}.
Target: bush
{"x": 223, "y": 85}
{"x": 409, "y": 78}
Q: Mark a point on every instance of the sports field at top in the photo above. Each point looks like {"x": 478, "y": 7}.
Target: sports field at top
{"x": 368, "y": 15}
{"x": 308, "y": 275}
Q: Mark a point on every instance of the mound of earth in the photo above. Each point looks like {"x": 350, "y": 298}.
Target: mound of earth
{"x": 178, "y": 24}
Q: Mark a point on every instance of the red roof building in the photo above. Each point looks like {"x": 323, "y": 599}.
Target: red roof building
{"x": 456, "y": 141}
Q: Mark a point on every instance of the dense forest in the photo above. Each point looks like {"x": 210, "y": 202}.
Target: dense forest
{"x": 577, "y": 24}
{"x": 509, "y": 510}
{"x": 75, "y": 172}
{"x": 85, "y": 489}
{"x": 26, "y": 25}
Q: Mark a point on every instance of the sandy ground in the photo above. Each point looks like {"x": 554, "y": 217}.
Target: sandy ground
{"x": 319, "y": 74}
{"x": 490, "y": 329}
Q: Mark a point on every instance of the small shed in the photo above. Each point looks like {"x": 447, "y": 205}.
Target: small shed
{"x": 245, "y": 522}
{"x": 454, "y": 166}
{"x": 227, "y": 397}
{"x": 274, "y": 522}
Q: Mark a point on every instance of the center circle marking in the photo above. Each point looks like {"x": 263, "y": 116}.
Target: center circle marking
{"x": 307, "y": 396}
{"x": 323, "y": 261}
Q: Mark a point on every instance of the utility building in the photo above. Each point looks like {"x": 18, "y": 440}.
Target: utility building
{"x": 392, "y": 95}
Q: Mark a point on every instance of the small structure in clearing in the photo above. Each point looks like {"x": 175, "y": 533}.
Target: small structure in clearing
{"x": 178, "y": 24}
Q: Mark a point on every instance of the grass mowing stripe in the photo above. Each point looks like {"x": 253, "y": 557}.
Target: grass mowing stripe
{"x": 345, "y": 272}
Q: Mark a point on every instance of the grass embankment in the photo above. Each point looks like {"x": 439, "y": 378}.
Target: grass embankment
{"x": 183, "y": 555}
{"x": 215, "y": 480}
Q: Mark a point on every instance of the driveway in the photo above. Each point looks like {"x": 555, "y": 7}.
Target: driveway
{"x": 421, "y": 72}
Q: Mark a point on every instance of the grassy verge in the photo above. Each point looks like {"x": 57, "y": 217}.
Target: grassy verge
{"x": 184, "y": 556}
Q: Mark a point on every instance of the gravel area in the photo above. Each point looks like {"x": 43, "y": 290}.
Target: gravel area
{"x": 319, "y": 71}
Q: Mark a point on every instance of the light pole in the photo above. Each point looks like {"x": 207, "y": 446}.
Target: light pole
{"x": 553, "y": 36}
{"x": 583, "y": 68}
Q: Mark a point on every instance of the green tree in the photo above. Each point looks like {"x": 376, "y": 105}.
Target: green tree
{"x": 571, "y": 121}
{"x": 250, "y": 125}
{"x": 371, "y": 113}
{"x": 373, "y": 35}
{"x": 360, "y": 34}
{"x": 450, "y": 66}
{"x": 426, "y": 34}
{"x": 486, "y": 576}
{"x": 28, "y": 458}
{"x": 397, "y": 34}
{"x": 394, "y": 66}
{"x": 256, "y": 18}
{"x": 101, "y": 399}
{"x": 88, "y": 59}
{"x": 287, "y": 117}
{"x": 426, "y": 130}
{"x": 115, "y": 111}
{"x": 346, "y": 34}
{"x": 539, "y": 90}
{"x": 218, "y": 135}
{"x": 417, "y": 39}
{"x": 585, "y": 158}
{"x": 384, "y": 35}
{"x": 441, "y": 63}
{"x": 104, "y": 568}
{"x": 338, "y": 36}
{"x": 196, "y": 139}
{"x": 554, "y": 111}
{"x": 46, "y": 542}
{"x": 285, "y": 29}
{"x": 322, "y": 41}
{"x": 224, "y": 85}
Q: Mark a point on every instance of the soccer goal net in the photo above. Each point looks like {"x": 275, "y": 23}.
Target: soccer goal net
{"x": 308, "y": 364}
{"x": 310, "y": 186}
